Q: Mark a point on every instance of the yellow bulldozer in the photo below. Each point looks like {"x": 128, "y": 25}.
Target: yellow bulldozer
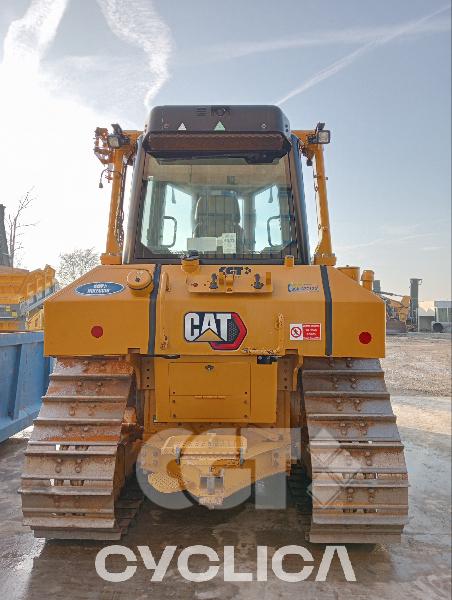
{"x": 209, "y": 352}
{"x": 400, "y": 314}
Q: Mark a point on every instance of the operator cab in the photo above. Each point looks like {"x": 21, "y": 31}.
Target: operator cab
{"x": 224, "y": 182}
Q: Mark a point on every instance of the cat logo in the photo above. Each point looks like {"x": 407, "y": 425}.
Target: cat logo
{"x": 223, "y": 331}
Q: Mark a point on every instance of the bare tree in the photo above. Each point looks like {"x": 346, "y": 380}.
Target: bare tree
{"x": 75, "y": 264}
{"x": 15, "y": 224}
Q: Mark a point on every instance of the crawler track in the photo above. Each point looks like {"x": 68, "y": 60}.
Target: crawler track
{"x": 359, "y": 482}
{"x": 81, "y": 453}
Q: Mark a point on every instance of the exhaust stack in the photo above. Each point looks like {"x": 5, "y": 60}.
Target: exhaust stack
{"x": 5, "y": 259}
{"x": 414, "y": 293}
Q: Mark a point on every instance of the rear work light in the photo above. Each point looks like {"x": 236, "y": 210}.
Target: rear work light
{"x": 173, "y": 144}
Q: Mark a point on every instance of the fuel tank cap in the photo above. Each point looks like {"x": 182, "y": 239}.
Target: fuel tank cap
{"x": 138, "y": 279}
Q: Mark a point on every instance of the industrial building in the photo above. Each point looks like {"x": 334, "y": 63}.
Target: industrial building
{"x": 435, "y": 315}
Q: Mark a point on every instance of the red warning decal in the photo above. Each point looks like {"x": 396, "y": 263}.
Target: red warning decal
{"x": 312, "y": 331}
{"x": 305, "y": 331}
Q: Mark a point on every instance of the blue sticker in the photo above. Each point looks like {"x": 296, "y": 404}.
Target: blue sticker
{"x": 99, "y": 288}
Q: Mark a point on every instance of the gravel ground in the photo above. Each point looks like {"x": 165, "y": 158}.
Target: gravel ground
{"x": 418, "y": 372}
{"x": 418, "y": 364}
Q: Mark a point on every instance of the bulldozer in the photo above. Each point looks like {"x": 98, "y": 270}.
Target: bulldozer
{"x": 397, "y": 313}
{"x": 400, "y": 314}
{"x": 210, "y": 354}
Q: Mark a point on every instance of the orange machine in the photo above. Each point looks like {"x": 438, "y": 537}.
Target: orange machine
{"x": 22, "y": 294}
{"x": 209, "y": 348}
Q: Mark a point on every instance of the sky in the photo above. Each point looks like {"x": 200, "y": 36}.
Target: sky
{"x": 378, "y": 73}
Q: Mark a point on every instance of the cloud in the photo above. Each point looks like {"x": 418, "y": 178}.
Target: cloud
{"x": 53, "y": 107}
{"x": 108, "y": 83}
{"x": 138, "y": 23}
{"x": 399, "y": 229}
{"x": 28, "y": 38}
{"x": 400, "y": 31}
{"x": 384, "y": 242}
{"x": 49, "y": 145}
{"x": 364, "y": 35}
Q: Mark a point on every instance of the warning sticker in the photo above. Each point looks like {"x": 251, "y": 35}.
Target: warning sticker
{"x": 305, "y": 331}
{"x": 296, "y": 331}
{"x": 312, "y": 331}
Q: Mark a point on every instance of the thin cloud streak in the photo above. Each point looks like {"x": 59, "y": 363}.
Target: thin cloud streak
{"x": 382, "y": 242}
{"x": 138, "y": 23}
{"x": 399, "y": 229}
{"x": 28, "y": 38}
{"x": 322, "y": 38}
{"x": 398, "y": 32}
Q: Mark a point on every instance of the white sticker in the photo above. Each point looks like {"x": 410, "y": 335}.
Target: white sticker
{"x": 182, "y": 127}
{"x": 202, "y": 244}
{"x": 296, "y": 331}
{"x": 229, "y": 243}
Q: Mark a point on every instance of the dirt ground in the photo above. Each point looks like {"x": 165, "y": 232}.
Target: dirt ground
{"x": 418, "y": 370}
{"x": 418, "y": 364}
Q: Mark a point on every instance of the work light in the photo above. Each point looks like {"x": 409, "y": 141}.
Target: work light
{"x": 324, "y": 136}
{"x": 117, "y": 138}
{"x": 114, "y": 141}
{"x": 321, "y": 135}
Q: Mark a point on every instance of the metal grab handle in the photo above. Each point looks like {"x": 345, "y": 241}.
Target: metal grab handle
{"x": 174, "y": 233}
{"x": 164, "y": 287}
{"x": 269, "y": 236}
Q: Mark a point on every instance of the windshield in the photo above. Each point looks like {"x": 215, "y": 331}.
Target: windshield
{"x": 220, "y": 207}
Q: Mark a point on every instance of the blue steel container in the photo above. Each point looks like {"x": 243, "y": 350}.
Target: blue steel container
{"x": 24, "y": 377}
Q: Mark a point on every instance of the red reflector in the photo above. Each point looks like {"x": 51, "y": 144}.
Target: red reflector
{"x": 97, "y": 331}
{"x": 365, "y": 337}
